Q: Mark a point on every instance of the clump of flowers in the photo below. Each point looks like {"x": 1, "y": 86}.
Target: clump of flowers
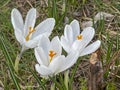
{"x": 49, "y": 53}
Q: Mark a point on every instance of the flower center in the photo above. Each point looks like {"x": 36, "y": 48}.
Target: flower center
{"x": 79, "y": 37}
{"x": 31, "y": 30}
{"x": 51, "y": 54}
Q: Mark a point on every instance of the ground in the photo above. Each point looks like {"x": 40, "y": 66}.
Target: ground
{"x": 107, "y": 30}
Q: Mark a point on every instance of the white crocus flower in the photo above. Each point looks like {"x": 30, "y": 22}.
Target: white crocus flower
{"x": 48, "y": 55}
{"x": 25, "y": 32}
{"x": 74, "y": 40}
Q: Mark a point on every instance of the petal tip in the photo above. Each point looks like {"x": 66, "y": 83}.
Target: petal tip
{"x": 90, "y": 29}
{"x": 33, "y": 9}
{"x": 52, "y": 20}
{"x": 75, "y": 21}
{"x": 14, "y": 10}
{"x": 68, "y": 27}
{"x": 98, "y": 42}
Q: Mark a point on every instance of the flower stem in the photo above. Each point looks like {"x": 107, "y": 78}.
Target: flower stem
{"x": 52, "y": 86}
{"x": 17, "y": 61}
{"x": 66, "y": 79}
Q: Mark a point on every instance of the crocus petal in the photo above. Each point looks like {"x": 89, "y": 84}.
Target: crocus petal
{"x": 43, "y": 70}
{"x": 33, "y": 42}
{"x": 69, "y": 61}
{"x": 65, "y": 44}
{"x": 55, "y": 65}
{"x": 87, "y": 34}
{"x": 17, "y": 23}
{"x": 41, "y": 56}
{"x": 44, "y": 27}
{"x": 56, "y": 46}
{"x": 77, "y": 45}
{"x": 30, "y": 20}
{"x": 44, "y": 43}
{"x": 19, "y": 36}
{"x": 17, "y": 20}
{"x": 75, "y": 28}
{"x": 68, "y": 33}
{"x": 91, "y": 48}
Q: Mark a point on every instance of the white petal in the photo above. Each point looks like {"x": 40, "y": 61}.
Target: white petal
{"x": 33, "y": 42}
{"x": 65, "y": 44}
{"x": 69, "y": 61}
{"x": 91, "y": 48}
{"x": 68, "y": 33}
{"x": 77, "y": 45}
{"x": 44, "y": 43}
{"x": 55, "y": 64}
{"x": 43, "y": 70}
{"x": 75, "y": 27}
{"x": 17, "y": 20}
{"x": 30, "y": 20}
{"x": 87, "y": 34}
{"x": 44, "y": 27}
{"x": 41, "y": 56}
{"x": 19, "y": 36}
{"x": 56, "y": 46}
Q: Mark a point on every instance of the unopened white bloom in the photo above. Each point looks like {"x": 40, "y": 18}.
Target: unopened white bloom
{"x": 50, "y": 60}
{"x": 25, "y": 32}
{"x": 74, "y": 40}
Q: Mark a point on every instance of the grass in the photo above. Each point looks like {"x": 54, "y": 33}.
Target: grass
{"x": 63, "y": 11}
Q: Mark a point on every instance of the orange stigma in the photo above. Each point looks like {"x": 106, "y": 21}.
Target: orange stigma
{"x": 31, "y": 30}
{"x": 51, "y": 54}
{"x": 79, "y": 37}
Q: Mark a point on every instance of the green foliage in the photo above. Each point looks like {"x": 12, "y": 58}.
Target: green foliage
{"x": 27, "y": 78}
{"x": 111, "y": 86}
{"x": 9, "y": 62}
{"x": 83, "y": 84}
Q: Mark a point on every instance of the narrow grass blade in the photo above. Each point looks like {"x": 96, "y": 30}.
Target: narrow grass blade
{"x": 37, "y": 78}
{"x": 62, "y": 82}
{"x": 56, "y": 83}
{"x": 8, "y": 59}
{"x": 73, "y": 73}
{"x": 109, "y": 51}
{"x": 54, "y": 9}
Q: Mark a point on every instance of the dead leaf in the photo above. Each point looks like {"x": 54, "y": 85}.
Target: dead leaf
{"x": 93, "y": 58}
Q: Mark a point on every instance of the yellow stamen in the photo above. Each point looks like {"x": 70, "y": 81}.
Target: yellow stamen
{"x": 51, "y": 54}
{"x": 79, "y": 37}
{"x": 31, "y": 30}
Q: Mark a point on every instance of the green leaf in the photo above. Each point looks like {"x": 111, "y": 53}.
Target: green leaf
{"x": 9, "y": 62}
